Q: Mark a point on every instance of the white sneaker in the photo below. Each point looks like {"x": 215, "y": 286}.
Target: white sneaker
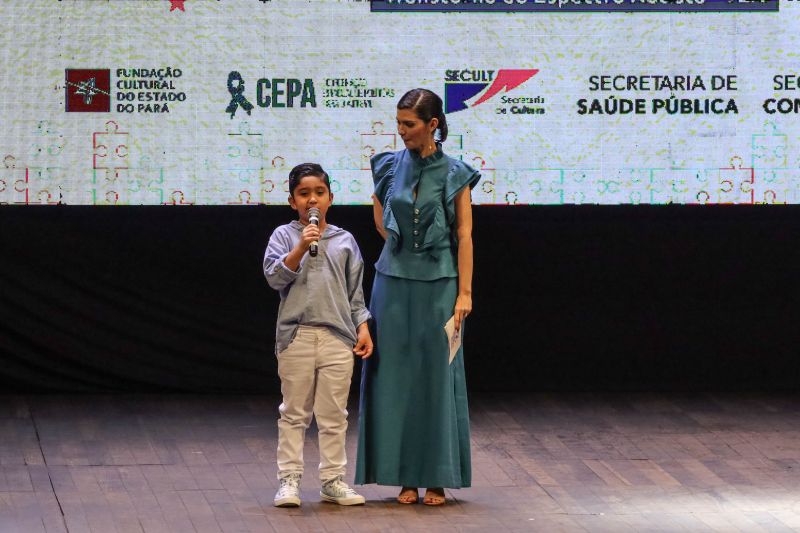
{"x": 337, "y": 491}
{"x": 288, "y": 494}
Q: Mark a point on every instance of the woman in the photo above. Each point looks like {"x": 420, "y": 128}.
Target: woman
{"x": 414, "y": 423}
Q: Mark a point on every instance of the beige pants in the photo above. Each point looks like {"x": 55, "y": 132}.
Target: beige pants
{"x": 315, "y": 372}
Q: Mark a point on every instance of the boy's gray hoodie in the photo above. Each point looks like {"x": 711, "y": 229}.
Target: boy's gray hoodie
{"x": 325, "y": 291}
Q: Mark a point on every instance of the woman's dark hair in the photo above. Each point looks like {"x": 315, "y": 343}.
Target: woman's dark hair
{"x": 307, "y": 169}
{"x": 427, "y": 105}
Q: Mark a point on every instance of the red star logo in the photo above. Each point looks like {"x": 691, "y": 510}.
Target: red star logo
{"x": 177, "y": 4}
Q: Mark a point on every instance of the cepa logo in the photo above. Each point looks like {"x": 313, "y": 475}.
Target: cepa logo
{"x": 461, "y": 87}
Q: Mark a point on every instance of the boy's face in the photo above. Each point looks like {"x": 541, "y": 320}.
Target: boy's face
{"x": 311, "y": 192}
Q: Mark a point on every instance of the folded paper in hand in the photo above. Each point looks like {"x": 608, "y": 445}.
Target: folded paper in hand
{"x": 453, "y": 336}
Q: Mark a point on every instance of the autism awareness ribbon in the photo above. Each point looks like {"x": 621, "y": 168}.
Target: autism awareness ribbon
{"x": 238, "y": 98}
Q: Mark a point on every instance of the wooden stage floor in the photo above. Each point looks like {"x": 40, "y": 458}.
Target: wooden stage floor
{"x": 543, "y": 462}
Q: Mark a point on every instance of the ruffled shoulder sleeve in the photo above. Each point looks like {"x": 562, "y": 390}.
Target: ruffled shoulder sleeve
{"x": 459, "y": 175}
{"x": 383, "y": 166}
{"x": 383, "y": 171}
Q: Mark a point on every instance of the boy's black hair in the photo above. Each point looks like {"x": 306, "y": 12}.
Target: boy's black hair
{"x": 307, "y": 169}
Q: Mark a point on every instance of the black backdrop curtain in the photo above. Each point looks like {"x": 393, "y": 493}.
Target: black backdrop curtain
{"x": 566, "y": 297}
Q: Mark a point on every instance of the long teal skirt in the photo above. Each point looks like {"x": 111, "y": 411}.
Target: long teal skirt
{"x": 413, "y": 417}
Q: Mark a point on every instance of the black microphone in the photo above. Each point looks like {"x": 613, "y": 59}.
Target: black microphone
{"x": 313, "y": 218}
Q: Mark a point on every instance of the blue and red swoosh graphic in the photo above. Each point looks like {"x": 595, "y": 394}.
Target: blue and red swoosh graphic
{"x": 458, "y": 94}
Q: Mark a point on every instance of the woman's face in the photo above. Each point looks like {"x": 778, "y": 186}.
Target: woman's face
{"x": 415, "y": 132}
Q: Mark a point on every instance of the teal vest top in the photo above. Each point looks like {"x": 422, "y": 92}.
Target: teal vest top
{"x": 420, "y": 241}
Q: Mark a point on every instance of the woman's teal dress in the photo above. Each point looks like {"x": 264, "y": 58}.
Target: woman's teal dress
{"x": 414, "y": 420}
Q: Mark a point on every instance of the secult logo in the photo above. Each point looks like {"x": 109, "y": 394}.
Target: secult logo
{"x": 462, "y": 86}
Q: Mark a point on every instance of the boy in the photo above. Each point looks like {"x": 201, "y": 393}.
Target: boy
{"x": 322, "y": 322}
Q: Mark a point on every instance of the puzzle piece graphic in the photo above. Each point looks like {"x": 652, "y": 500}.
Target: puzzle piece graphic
{"x": 13, "y": 182}
{"x": 110, "y": 151}
{"x": 375, "y": 141}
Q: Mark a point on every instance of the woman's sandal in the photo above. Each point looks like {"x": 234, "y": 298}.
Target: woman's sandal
{"x": 434, "y": 497}
{"x": 408, "y": 496}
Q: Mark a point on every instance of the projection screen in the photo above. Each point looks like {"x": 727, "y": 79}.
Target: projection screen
{"x": 211, "y": 102}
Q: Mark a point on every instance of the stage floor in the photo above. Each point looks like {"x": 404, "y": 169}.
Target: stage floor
{"x": 544, "y": 462}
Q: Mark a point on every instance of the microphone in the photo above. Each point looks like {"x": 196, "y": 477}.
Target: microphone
{"x": 313, "y": 218}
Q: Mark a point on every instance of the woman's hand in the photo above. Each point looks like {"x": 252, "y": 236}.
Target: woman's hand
{"x": 462, "y": 309}
{"x": 463, "y": 305}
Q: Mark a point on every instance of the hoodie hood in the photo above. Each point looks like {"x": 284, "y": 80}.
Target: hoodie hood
{"x": 330, "y": 229}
